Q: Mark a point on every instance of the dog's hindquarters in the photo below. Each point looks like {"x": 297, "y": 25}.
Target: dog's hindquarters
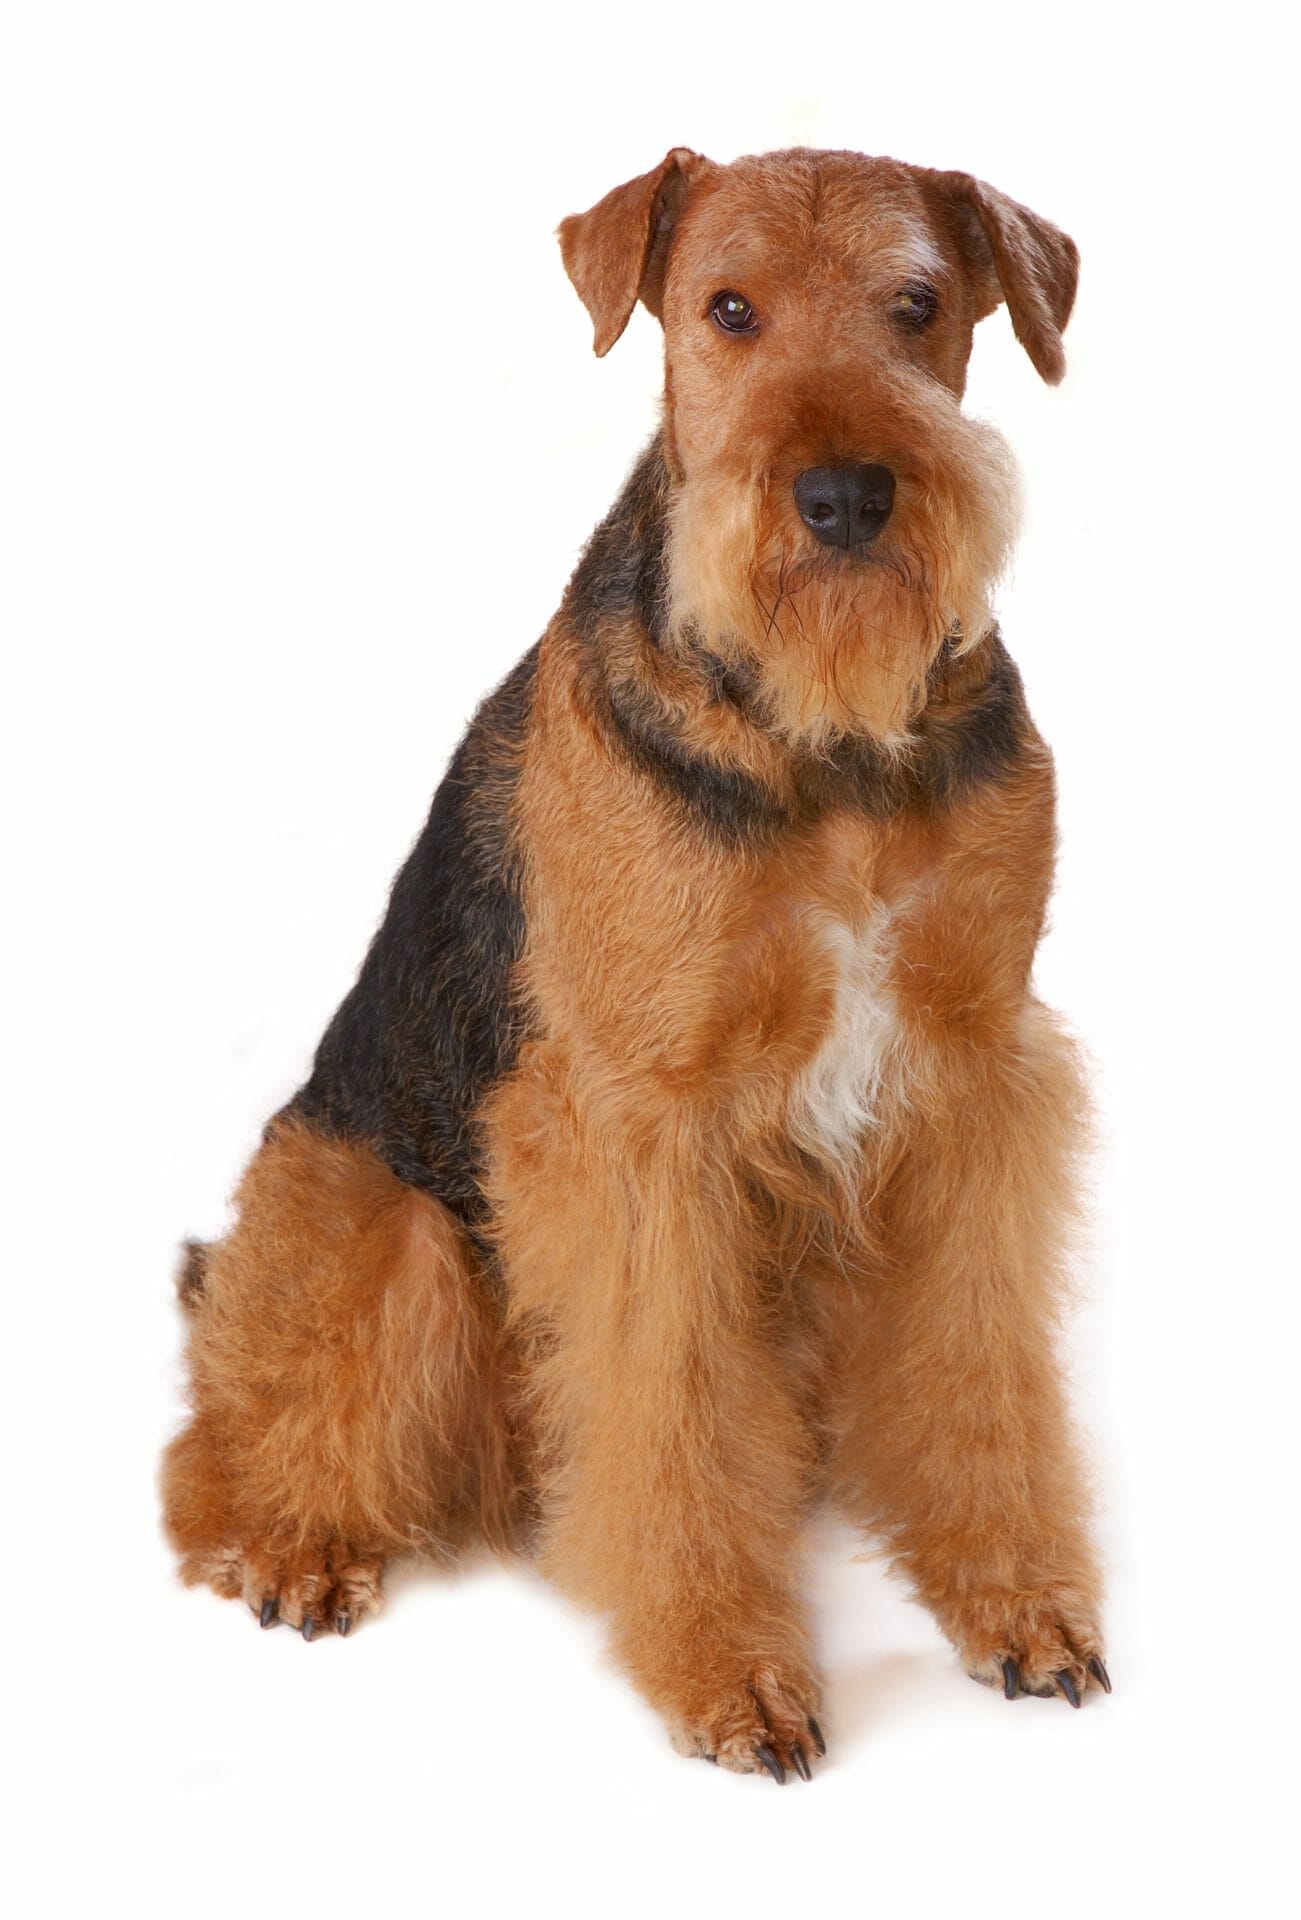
{"x": 345, "y": 1349}
{"x": 347, "y": 1388}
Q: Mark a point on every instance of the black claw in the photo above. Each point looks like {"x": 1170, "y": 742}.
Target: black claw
{"x": 1067, "y": 1686}
{"x": 1011, "y": 1679}
{"x": 773, "y": 1764}
{"x": 270, "y": 1613}
{"x": 818, "y": 1740}
{"x": 1100, "y": 1674}
{"x": 343, "y": 1625}
{"x": 800, "y": 1764}
{"x": 712, "y": 1759}
{"x": 309, "y": 1627}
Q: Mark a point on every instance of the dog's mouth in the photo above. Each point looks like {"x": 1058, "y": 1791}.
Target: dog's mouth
{"x": 802, "y": 562}
{"x": 884, "y": 587}
{"x": 812, "y": 559}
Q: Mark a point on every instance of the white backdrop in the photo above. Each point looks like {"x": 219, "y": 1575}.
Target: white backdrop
{"x": 301, "y": 437}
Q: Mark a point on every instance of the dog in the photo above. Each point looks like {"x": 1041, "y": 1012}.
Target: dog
{"x": 692, "y": 1148}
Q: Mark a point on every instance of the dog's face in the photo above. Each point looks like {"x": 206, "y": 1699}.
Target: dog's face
{"x": 835, "y": 515}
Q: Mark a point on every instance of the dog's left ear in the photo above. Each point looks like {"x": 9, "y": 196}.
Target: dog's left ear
{"x": 1018, "y": 257}
{"x": 616, "y": 252}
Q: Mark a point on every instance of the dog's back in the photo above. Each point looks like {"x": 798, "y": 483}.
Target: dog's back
{"x": 432, "y": 1021}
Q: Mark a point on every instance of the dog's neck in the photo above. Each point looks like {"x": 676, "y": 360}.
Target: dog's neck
{"x": 623, "y": 571}
{"x": 700, "y": 717}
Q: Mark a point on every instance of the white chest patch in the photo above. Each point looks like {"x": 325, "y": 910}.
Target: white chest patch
{"x": 837, "y": 1097}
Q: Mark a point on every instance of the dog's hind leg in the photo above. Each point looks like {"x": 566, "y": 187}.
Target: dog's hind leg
{"x": 345, "y": 1386}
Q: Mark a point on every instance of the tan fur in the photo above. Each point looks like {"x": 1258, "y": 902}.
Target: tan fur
{"x": 710, "y": 1303}
{"x": 347, "y": 1386}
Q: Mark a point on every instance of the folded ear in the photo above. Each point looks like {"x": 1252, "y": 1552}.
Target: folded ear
{"x": 616, "y": 252}
{"x": 1018, "y": 257}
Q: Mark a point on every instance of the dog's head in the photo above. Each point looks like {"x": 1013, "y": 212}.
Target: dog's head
{"x": 835, "y": 516}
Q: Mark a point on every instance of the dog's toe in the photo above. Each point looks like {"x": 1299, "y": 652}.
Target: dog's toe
{"x": 313, "y": 1591}
{"x": 762, "y": 1725}
{"x": 1040, "y": 1648}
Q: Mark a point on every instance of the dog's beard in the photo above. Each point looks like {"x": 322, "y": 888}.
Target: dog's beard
{"x": 842, "y": 642}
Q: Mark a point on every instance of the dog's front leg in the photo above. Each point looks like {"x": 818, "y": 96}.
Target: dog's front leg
{"x": 673, "y": 1466}
{"x": 956, "y": 1441}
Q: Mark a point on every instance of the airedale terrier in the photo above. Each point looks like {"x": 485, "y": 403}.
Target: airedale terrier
{"x": 692, "y": 1147}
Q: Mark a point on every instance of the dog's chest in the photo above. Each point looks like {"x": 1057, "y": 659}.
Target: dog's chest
{"x": 839, "y": 1094}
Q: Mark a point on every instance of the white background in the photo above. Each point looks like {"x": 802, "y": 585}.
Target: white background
{"x": 301, "y": 436}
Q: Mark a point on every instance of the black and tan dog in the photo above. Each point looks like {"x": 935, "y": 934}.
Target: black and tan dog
{"x": 692, "y": 1147}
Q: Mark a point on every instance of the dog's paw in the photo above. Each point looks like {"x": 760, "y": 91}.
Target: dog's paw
{"x": 1043, "y": 1644}
{"x": 311, "y": 1590}
{"x": 765, "y": 1723}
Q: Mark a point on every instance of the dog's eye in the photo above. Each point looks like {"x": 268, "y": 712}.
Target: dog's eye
{"x": 915, "y": 305}
{"x": 734, "y": 313}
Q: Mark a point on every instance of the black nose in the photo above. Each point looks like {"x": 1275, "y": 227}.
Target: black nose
{"x": 845, "y": 505}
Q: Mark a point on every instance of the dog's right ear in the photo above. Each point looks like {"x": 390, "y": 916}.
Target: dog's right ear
{"x": 1017, "y": 256}
{"x": 616, "y": 252}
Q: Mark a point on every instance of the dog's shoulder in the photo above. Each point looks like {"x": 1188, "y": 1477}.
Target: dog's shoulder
{"x": 430, "y": 1022}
